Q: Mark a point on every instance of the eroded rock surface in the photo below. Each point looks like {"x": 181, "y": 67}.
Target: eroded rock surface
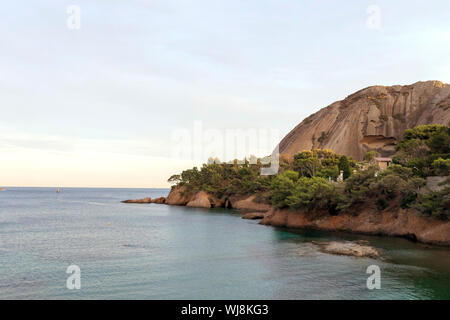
{"x": 200, "y": 200}
{"x": 373, "y": 118}
{"x": 250, "y": 204}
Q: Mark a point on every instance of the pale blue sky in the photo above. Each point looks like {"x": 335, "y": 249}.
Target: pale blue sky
{"x": 97, "y": 106}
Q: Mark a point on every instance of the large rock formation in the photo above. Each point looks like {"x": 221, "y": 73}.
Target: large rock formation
{"x": 373, "y": 118}
{"x": 178, "y": 196}
{"x": 200, "y": 200}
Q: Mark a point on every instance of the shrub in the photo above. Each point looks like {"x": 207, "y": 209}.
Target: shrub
{"x": 310, "y": 193}
{"x": 435, "y": 203}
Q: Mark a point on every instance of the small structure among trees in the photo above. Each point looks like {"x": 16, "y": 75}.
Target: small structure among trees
{"x": 382, "y": 162}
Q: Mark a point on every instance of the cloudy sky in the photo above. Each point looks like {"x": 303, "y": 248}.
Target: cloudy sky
{"x": 105, "y": 105}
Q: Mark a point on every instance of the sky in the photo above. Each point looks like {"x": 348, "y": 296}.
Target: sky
{"x": 109, "y": 93}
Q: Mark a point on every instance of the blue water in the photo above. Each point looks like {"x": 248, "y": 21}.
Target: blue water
{"x": 151, "y": 251}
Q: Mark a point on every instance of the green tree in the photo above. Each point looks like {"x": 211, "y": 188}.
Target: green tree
{"x": 441, "y": 166}
{"x": 310, "y": 193}
{"x": 344, "y": 165}
{"x": 370, "y": 155}
{"x": 282, "y": 187}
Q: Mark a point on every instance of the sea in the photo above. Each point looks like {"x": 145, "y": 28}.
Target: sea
{"x": 83, "y": 243}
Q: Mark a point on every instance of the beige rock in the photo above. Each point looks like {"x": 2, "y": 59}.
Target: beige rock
{"x": 200, "y": 200}
{"x": 160, "y": 200}
{"x": 249, "y": 204}
{"x": 178, "y": 197}
{"x": 373, "y": 118}
{"x": 144, "y": 200}
{"x": 349, "y": 249}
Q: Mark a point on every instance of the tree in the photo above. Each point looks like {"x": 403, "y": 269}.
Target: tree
{"x": 370, "y": 155}
{"x": 344, "y": 166}
{"x": 176, "y": 178}
{"x": 310, "y": 193}
{"x": 282, "y": 187}
{"x": 435, "y": 203}
{"x": 441, "y": 166}
{"x": 306, "y": 163}
{"x": 421, "y": 146}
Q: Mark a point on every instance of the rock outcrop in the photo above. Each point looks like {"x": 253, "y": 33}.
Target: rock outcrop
{"x": 349, "y": 249}
{"x": 178, "y": 197}
{"x": 160, "y": 200}
{"x": 144, "y": 200}
{"x": 402, "y": 223}
{"x": 253, "y": 215}
{"x": 200, "y": 200}
{"x": 373, "y": 118}
{"x": 249, "y": 204}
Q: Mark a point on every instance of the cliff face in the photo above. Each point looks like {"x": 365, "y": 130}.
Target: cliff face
{"x": 400, "y": 223}
{"x": 201, "y": 199}
{"x": 371, "y": 119}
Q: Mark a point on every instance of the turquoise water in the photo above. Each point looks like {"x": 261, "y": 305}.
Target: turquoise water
{"x": 132, "y": 251}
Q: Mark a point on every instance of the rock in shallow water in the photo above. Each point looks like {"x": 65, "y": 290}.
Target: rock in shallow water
{"x": 349, "y": 249}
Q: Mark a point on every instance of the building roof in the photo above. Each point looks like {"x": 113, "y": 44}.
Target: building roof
{"x": 382, "y": 159}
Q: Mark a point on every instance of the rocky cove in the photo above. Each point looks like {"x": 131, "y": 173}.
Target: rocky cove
{"x": 375, "y": 163}
{"x": 403, "y": 223}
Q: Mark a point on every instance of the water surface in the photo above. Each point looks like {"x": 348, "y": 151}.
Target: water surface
{"x": 151, "y": 251}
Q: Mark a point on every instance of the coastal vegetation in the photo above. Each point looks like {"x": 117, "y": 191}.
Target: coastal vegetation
{"x": 321, "y": 180}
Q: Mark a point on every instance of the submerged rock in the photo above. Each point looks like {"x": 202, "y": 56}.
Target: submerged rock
{"x": 349, "y": 249}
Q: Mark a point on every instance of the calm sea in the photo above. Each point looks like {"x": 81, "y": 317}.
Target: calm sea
{"x": 132, "y": 251}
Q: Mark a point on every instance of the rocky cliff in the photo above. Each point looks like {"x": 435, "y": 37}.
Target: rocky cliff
{"x": 373, "y": 118}
{"x": 399, "y": 223}
{"x": 201, "y": 199}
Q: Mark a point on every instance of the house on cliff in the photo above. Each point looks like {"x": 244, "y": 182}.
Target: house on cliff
{"x": 382, "y": 162}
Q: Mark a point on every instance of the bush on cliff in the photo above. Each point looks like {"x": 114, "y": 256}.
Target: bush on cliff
{"x": 288, "y": 190}
{"x": 322, "y": 163}
{"x": 422, "y": 146}
{"x": 223, "y": 179}
{"x": 305, "y": 181}
{"x": 435, "y": 203}
{"x": 311, "y": 193}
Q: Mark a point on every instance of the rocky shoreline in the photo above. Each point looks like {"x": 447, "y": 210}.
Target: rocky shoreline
{"x": 160, "y": 200}
{"x": 403, "y": 223}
